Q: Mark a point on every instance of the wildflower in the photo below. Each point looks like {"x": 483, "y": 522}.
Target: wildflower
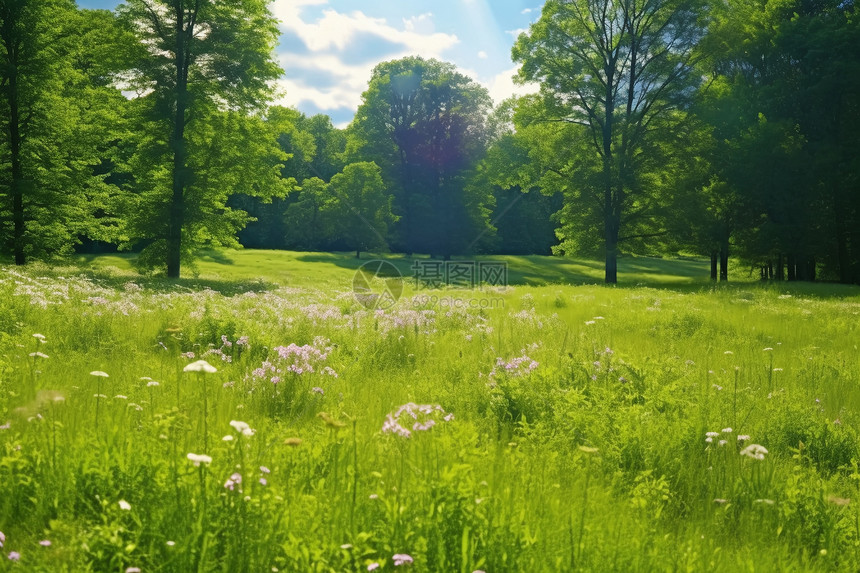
{"x": 228, "y": 438}
{"x": 712, "y": 434}
{"x": 727, "y": 430}
{"x": 754, "y": 451}
{"x": 588, "y": 449}
{"x": 589, "y": 322}
{"x": 765, "y": 501}
{"x": 728, "y": 352}
{"x": 346, "y": 546}
{"x": 199, "y": 459}
{"x": 200, "y": 366}
{"x": 294, "y": 442}
{"x": 419, "y": 427}
{"x": 402, "y": 559}
{"x": 263, "y": 481}
{"x": 768, "y": 349}
{"x": 171, "y": 543}
{"x": 39, "y": 355}
{"x": 318, "y": 390}
{"x": 373, "y": 496}
{"x": 265, "y": 470}
{"x": 242, "y": 428}
{"x": 45, "y": 543}
{"x": 124, "y": 505}
{"x": 132, "y": 570}
{"x": 14, "y": 556}
{"x": 2, "y": 539}
{"x": 151, "y": 384}
{"x": 743, "y": 438}
{"x": 40, "y": 337}
{"x": 99, "y": 373}
{"x": 373, "y": 566}
{"x": 709, "y": 439}
{"x": 721, "y": 501}
{"x": 120, "y": 397}
{"x": 234, "y": 480}
{"x": 723, "y": 442}
{"x": 777, "y": 369}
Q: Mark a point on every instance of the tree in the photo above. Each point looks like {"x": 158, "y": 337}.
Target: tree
{"x": 202, "y": 66}
{"x": 59, "y": 113}
{"x": 316, "y": 150}
{"x": 783, "y": 101}
{"x": 309, "y": 219}
{"x": 621, "y": 73}
{"x": 424, "y": 122}
{"x": 361, "y": 208}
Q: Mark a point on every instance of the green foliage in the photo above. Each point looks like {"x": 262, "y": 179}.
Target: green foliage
{"x": 204, "y": 71}
{"x": 423, "y": 122}
{"x": 60, "y": 114}
{"x": 614, "y": 83}
{"x": 361, "y": 209}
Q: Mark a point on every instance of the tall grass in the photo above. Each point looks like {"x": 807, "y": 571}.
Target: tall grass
{"x": 568, "y": 428}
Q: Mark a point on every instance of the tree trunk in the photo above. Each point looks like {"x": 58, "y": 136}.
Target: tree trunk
{"x": 780, "y": 268}
{"x": 714, "y": 258}
{"x": 176, "y": 217}
{"x": 810, "y": 269}
{"x": 18, "y": 226}
{"x": 611, "y": 273}
{"x": 357, "y": 254}
{"x": 792, "y": 269}
{"x": 724, "y": 261}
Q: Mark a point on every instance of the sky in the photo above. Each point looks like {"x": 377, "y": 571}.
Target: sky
{"x": 329, "y": 47}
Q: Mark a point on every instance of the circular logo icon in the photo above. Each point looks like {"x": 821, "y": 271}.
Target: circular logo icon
{"x": 377, "y": 285}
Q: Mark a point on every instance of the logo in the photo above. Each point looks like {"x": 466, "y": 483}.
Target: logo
{"x": 377, "y": 285}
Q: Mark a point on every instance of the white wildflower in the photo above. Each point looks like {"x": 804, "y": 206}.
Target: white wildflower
{"x": 200, "y": 366}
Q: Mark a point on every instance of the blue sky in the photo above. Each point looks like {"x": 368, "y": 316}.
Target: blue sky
{"x": 329, "y": 47}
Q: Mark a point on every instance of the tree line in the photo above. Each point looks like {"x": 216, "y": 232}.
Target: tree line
{"x": 660, "y": 126}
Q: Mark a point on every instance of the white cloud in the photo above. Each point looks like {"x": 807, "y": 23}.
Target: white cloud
{"x": 483, "y": 55}
{"x": 502, "y": 86}
{"x": 516, "y": 33}
{"x": 331, "y": 48}
{"x": 526, "y": 11}
{"x": 421, "y": 24}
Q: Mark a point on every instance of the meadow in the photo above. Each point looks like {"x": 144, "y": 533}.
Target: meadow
{"x": 550, "y": 425}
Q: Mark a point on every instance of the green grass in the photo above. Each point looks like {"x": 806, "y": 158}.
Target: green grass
{"x": 587, "y": 452}
{"x": 335, "y": 270}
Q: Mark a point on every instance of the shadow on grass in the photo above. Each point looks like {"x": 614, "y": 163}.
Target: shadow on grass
{"x": 116, "y": 277}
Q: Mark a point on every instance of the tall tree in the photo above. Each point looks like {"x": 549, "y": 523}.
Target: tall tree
{"x": 783, "y": 104}
{"x": 424, "y": 122}
{"x": 201, "y": 64}
{"x": 58, "y": 113}
{"x": 621, "y": 71}
{"x": 361, "y": 208}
